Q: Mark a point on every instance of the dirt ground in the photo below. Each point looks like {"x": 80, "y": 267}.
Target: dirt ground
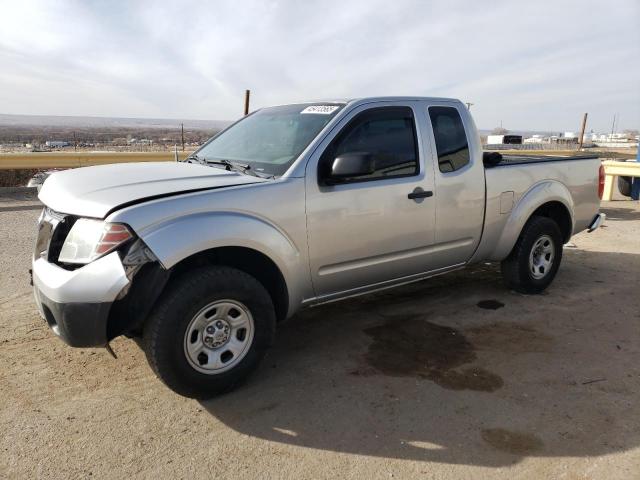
{"x": 454, "y": 377}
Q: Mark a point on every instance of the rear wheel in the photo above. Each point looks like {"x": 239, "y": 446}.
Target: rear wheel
{"x": 210, "y": 331}
{"x": 534, "y": 261}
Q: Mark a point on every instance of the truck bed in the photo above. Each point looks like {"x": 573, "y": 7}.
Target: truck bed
{"x": 525, "y": 159}
{"x": 510, "y": 184}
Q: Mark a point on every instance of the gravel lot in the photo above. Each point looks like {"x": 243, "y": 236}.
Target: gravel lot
{"x": 519, "y": 387}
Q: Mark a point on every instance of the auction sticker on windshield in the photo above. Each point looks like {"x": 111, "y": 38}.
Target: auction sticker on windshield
{"x": 320, "y": 109}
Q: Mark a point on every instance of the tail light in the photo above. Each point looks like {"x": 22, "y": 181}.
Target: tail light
{"x": 601, "y": 182}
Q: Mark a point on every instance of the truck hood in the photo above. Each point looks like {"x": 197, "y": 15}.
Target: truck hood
{"x": 96, "y": 191}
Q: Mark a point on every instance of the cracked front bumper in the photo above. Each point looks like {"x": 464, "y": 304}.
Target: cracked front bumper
{"x": 76, "y": 303}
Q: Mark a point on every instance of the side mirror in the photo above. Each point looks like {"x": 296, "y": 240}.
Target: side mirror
{"x": 350, "y": 165}
{"x": 491, "y": 159}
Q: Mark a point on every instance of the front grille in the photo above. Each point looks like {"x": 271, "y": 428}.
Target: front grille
{"x": 59, "y": 236}
{"x": 52, "y": 231}
{"x": 45, "y": 230}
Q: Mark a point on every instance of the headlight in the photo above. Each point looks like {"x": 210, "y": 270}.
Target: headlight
{"x": 90, "y": 239}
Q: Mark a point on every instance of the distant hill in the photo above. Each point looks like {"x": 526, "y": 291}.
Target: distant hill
{"x": 107, "y": 122}
{"x": 9, "y": 120}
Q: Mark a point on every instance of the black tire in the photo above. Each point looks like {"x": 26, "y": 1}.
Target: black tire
{"x": 624, "y": 185}
{"x": 516, "y": 270}
{"x": 164, "y": 331}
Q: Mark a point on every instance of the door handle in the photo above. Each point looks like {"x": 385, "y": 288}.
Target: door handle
{"x": 419, "y": 193}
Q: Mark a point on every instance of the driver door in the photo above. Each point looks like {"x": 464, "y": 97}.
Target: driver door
{"x": 366, "y": 231}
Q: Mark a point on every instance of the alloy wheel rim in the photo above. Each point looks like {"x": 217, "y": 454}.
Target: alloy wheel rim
{"x": 219, "y": 336}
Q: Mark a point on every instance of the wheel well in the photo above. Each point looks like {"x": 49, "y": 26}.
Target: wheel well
{"x": 250, "y": 261}
{"x": 557, "y": 212}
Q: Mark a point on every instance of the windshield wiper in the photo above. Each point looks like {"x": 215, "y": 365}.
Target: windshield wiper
{"x": 195, "y": 158}
{"x": 238, "y": 167}
{"x": 229, "y": 165}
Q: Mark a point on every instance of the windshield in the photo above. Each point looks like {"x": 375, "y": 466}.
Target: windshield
{"x": 270, "y": 139}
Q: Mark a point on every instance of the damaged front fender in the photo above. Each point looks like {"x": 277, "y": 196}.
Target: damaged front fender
{"x": 147, "y": 279}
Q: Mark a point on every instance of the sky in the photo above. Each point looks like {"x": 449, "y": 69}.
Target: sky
{"x": 530, "y": 65}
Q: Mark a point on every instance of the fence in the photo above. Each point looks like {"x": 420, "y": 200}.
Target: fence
{"x": 532, "y": 146}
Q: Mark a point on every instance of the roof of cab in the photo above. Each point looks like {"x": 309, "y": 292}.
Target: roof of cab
{"x": 361, "y": 100}
{"x": 400, "y": 98}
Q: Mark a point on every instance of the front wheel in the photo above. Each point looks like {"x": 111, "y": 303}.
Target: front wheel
{"x": 534, "y": 261}
{"x": 210, "y": 331}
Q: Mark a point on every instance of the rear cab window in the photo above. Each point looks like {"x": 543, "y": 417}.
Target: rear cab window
{"x": 451, "y": 139}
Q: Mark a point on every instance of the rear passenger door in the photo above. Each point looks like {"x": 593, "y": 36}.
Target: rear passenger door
{"x": 460, "y": 186}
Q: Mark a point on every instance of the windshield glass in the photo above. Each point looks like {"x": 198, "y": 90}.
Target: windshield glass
{"x": 270, "y": 139}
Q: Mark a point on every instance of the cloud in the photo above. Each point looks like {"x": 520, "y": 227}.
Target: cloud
{"x": 531, "y": 65}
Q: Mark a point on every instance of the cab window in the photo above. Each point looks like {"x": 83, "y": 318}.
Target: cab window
{"x": 388, "y": 134}
{"x": 451, "y": 139}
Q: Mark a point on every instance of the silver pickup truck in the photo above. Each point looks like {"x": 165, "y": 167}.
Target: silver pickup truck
{"x": 293, "y": 206}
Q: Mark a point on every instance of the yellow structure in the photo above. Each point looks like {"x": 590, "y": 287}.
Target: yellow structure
{"x": 16, "y": 161}
{"x": 613, "y": 169}
{"x": 41, "y": 160}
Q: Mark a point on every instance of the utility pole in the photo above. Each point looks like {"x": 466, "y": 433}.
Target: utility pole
{"x": 469, "y": 105}
{"x": 584, "y": 125}
{"x": 75, "y": 142}
{"x": 182, "y": 135}
{"x": 247, "y": 93}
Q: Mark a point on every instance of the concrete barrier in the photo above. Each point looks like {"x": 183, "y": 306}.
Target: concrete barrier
{"x": 4, "y": 190}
